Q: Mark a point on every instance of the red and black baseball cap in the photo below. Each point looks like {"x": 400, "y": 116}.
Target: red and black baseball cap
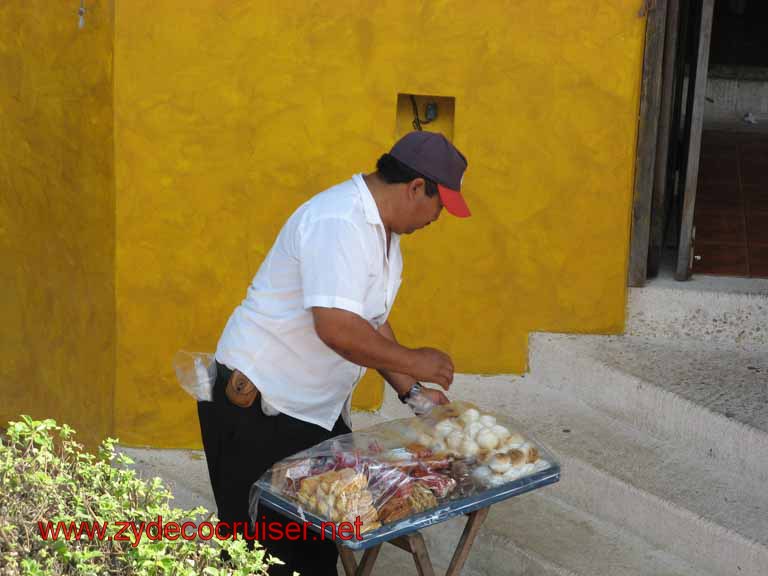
{"x": 432, "y": 155}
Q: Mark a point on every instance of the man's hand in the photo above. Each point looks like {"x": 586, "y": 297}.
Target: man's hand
{"x": 433, "y": 366}
{"x": 435, "y": 396}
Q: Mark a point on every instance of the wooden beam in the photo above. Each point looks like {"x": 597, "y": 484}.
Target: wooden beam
{"x": 474, "y": 522}
{"x": 403, "y": 543}
{"x": 369, "y": 559}
{"x": 659, "y": 214}
{"x": 685, "y": 247}
{"x": 420, "y": 554}
{"x": 347, "y": 560}
{"x": 650, "y": 98}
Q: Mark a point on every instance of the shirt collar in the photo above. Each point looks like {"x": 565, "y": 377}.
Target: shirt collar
{"x": 369, "y": 204}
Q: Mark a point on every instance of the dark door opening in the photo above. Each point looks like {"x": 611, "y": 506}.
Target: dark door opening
{"x": 710, "y": 208}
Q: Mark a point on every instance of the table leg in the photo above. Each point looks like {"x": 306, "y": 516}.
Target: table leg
{"x": 474, "y": 522}
{"x": 414, "y": 544}
{"x": 369, "y": 559}
{"x": 351, "y": 567}
{"x": 347, "y": 560}
{"x": 420, "y": 554}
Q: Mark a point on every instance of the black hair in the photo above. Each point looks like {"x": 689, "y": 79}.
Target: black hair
{"x": 392, "y": 171}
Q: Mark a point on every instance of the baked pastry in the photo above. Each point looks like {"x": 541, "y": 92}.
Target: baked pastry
{"x": 486, "y": 439}
{"x": 340, "y": 495}
{"x": 469, "y": 415}
{"x": 468, "y": 448}
{"x": 487, "y": 420}
{"x": 413, "y": 498}
{"x": 445, "y": 427}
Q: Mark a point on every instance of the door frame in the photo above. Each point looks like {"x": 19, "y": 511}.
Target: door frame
{"x": 647, "y": 136}
{"x": 687, "y": 229}
{"x": 652, "y": 142}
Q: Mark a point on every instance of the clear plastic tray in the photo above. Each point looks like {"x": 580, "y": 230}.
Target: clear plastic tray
{"x": 402, "y": 476}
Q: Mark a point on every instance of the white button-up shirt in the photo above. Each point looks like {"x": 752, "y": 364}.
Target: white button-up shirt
{"x": 331, "y": 253}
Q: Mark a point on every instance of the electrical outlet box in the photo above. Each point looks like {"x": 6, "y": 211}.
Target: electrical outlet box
{"x": 441, "y": 108}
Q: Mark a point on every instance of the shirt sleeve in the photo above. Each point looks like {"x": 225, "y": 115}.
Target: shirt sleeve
{"x": 334, "y": 270}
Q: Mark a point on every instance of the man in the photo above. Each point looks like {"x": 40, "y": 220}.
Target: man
{"x": 315, "y": 316}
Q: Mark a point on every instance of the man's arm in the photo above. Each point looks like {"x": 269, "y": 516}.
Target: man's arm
{"x": 355, "y": 339}
{"x": 402, "y": 383}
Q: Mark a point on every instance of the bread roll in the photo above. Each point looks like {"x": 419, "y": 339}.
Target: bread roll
{"x": 487, "y": 440}
{"x": 454, "y": 440}
{"x": 444, "y": 428}
{"x": 496, "y": 480}
{"x": 469, "y": 448}
{"x": 482, "y": 474}
{"x": 472, "y": 429}
{"x": 502, "y": 433}
{"x": 487, "y": 420}
{"x": 470, "y": 415}
{"x": 512, "y": 474}
{"x": 516, "y": 457}
{"x": 500, "y": 463}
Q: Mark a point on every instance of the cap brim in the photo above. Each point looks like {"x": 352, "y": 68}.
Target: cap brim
{"x": 453, "y": 202}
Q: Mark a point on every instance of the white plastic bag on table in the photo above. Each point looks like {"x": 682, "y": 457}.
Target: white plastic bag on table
{"x": 394, "y": 471}
{"x": 196, "y": 372}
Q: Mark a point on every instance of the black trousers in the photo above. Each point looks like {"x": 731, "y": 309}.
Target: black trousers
{"x": 240, "y": 445}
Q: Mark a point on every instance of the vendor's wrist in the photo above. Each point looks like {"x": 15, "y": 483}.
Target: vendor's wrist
{"x": 415, "y": 388}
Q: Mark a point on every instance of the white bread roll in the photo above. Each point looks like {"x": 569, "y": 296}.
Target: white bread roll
{"x": 502, "y": 433}
{"x": 472, "y": 429}
{"x": 469, "y": 448}
{"x": 487, "y": 420}
{"x": 444, "y": 428}
{"x": 500, "y": 463}
{"x": 470, "y": 415}
{"x": 482, "y": 474}
{"x": 454, "y": 440}
{"x": 487, "y": 440}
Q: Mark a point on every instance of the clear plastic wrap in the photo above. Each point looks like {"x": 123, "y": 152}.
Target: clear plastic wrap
{"x": 196, "y": 373}
{"x": 394, "y": 473}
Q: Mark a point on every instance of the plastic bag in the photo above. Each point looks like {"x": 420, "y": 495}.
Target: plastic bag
{"x": 396, "y": 470}
{"x": 196, "y": 372}
{"x": 420, "y": 403}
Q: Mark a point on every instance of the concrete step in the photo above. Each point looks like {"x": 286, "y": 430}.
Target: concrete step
{"x": 696, "y": 509}
{"x": 700, "y": 509}
{"x": 538, "y": 535}
{"x": 712, "y": 398}
{"x": 589, "y": 495}
{"x": 706, "y": 314}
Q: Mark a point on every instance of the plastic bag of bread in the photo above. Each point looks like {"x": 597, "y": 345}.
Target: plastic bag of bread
{"x": 394, "y": 471}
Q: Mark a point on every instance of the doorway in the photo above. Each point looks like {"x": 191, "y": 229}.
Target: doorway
{"x": 707, "y": 207}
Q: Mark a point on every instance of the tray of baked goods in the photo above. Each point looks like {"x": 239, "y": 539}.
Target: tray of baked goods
{"x": 404, "y": 475}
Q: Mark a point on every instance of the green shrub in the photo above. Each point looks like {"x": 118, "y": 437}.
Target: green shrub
{"x": 45, "y": 475}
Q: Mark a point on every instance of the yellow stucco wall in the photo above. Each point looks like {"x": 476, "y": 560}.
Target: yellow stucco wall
{"x": 57, "y": 222}
{"x": 228, "y": 115}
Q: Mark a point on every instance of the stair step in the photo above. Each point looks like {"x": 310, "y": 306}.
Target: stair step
{"x": 680, "y": 391}
{"x": 696, "y": 509}
{"x": 699, "y": 315}
{"x": 535, "y": 534}
{"x": 699, "y": 508}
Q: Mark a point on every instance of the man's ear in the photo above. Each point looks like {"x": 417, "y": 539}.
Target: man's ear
{"x": 415, "y": 186}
